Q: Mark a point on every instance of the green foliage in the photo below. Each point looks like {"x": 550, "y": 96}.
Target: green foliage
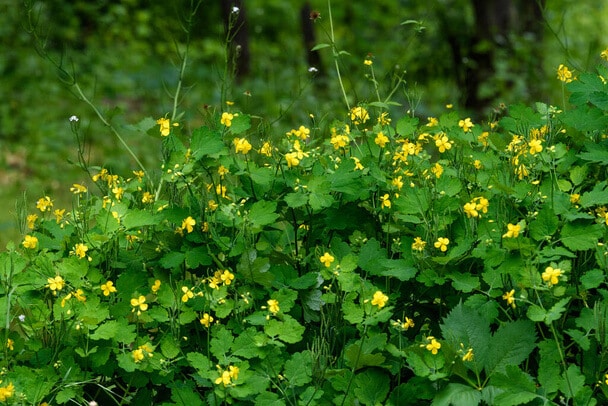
{"x": 369, "y": 259}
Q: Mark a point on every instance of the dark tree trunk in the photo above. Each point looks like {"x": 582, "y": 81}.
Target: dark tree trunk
{"x": 235, "y": 24}
{"x": 313, "y": 58}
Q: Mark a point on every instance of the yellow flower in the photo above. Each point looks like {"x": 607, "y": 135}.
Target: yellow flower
{"x": 55, "y": 284}
{"x": 368, "y": 62}
{"x": 379, "y": 299}
{"x": 383, "y": 118}
{"x": 59, "y": 215}
{"x": 564, "y": 74}
{"x": 108, "y": 288}
{"x": 224, "y": 378}
{"x": 241, "y": 145}
{"x": 339, "y": 141}
{"x": 138, "y": 355}
{"x": 147, "y": 197}
{"x": 508, "y": 296}
{"x": 443, "y": 143}
{"x": 381, "y": 140}
{"x": 512, "y": 231}
{"x": 44, "y": 203}
{"x": 466, "y": 124}
{"x": 227, "y": 119}
{"x": 535, "y": 147}
{"x": 442, "y": 244}
{"x": 156, "y": 286}
{"x": 80, "y": 250}
{"x": 212, "y": 205}
{"x": 432, "y": 122}
{"x": 359, "y": 115}
{"x": 397, "y": 182}
{"x": 437, "y": 170}
{"x": 30, "y": 242}
{"x": 358, "y": 165}
{"x": 482, "y": 204}
{"x": 206, "y": 320}
{"x": 188, "y": 294}
{"x": 266, "y": 149}
{"x": 301, "y": 132}
{"x": 118, "y": 192}
{"x": 227, "y": 277}
{"x": 223, "y": 171}
{"x": 165, "y": 126}
{"x": 273, "y": 306}
{"x": 551, "y": 275}
{"x": 575, "y": 198}
{"x": 10, "y": 344}
{"x": 188, "y": 224}
{"x": 139, "y": 302}
{"x": 418, "y": 244}
{"x": 292, "y": 159}
{"x": 433, "y": 346}
{"x": 31, "y": 221}
{"x": 469, "y": 355}
{"x": 79, "y": 295}
{"x": 7, "y": 392}
{"x": 408, "y": 323}
{"x": 470, "y": 209}
{"x": 604, "y": 54}
{"x": 78, "y": 189}
{"x": 327, "y": 259}
{"x": 386, "y": 203}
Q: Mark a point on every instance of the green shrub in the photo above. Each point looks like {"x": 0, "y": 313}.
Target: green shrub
{"x": 356, "y": 259}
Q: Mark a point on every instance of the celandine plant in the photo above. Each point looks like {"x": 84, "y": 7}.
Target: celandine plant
{"x": 381, "y": 261}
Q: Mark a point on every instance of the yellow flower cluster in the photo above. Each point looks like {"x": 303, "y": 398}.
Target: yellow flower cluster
{"x": 44, "y": 203}
{"x": 359, "y": 115}
{"x": 30, "y": 242}
{"x": 442, "y": 142}
{"x": 227, "y": 376}
{"x": 513, "y": 231}
{"x": 475, "y": 206}
{"x": 220, "y": 278}
{"x": 165, "y": 126}
{"x": 551, "y": 275}
{"x": 564, "y": 74}
{"x": 140, "y": 353}
{"x": 418, "y": 244}
{"x": 432, "y": 345}
{"x": 379, "y": 299}
{"x": 241, "y": 145}
{"x": 403, "y": 325}
{"x": 301, "y": 133}
{"x": 7, "y": 392}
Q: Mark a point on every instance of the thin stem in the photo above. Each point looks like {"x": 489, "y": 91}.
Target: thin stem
{"x": 336, "y": 55}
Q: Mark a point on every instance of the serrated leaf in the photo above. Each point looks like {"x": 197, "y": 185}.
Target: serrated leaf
{"x": 206, "y": 142}
{"x": 372, "y": 386}
{"x": 580, "y": 236}
{"x": 295, "y": 200}
{"x": 457, "y": 394}
{"x": 549, "y": 366}
{"x": 593, "y": 278}
{"x": 556, "y": 311}
{"x": 544, "y": 225}
{"x": 511, "y": 344}
{"x": 240, "y": 124}
{"x": 262, "y": 213}
{"x": 198, "y": 256}
{"x": 298, "y": 369}
{"x": 536, "y": 313}
{"x": 287, "y": 330}
{"x": 357, "y": 358}
{"x": 407, "y": 125}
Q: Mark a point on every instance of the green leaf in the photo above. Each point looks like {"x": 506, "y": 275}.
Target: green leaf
{"x": 511, "y": 344}
{"x": 578, "y": 174}
{"x": 221, "y": 342}
{"x": 518, "y": 387}
{"x": 556, "y": 311}
{"x": 207, "y": 142}
{"x": 262, "y": 213}
{"x": 596, "y": 197}
{"x": 298, "y": 369}
{"x": 466, "y": 326}
{"x": 353, "y": 312}
{"x": 250, "y": 344}
{"x": 372, "y": 386}
{"x": 580, "y": 338}
{"x": 135, "y": 218}
{"x": 240, "y": 124}
{"x": 465, "y": 283}
{"x": 457, "y": 394}
{"x": 579, "y": 236}
{"x": 172, "y": 259}
{"x": 201, "y": 363}
{"x": 198, "y": 256}
{"x": 370, "y": 256}
{"x": 544, "y": 225}
{"x": 536, "y": 313}
{"x": 572, "y": 381}
{"x": 296, "y": 199}
{"x": 288, "y": 330}
{"x": 320, "y": 46}
{"x": 593, "y": 278}
{"x": 355, "y": 357}
{"x": 407, "y": 125}
{"x": 169, "y": 348}
{"x": 549, "y": 366}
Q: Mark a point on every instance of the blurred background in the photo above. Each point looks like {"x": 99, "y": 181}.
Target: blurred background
{"x": 474, "y": 54}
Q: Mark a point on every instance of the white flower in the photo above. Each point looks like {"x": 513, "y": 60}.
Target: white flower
{"x": 74, "y": 118}
{"x": 312, "y": 69}
{"x": 235, "y": 9}
{"x": 22, "y": 318}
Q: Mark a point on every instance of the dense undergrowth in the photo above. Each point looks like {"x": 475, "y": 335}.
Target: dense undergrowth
{"x": 357, "y": 257}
